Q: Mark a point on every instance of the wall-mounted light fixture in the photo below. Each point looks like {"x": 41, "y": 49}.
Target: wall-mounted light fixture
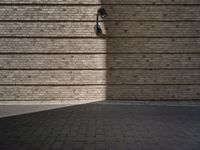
{"x": 101, "y": 12}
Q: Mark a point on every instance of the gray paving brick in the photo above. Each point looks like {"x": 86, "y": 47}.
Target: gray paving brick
{"x": 103, "y": 127}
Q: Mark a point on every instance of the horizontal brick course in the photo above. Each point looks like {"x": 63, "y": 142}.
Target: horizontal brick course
{"x": 143, "y": 92}
{"x": 91, "y": 45}
{"x": 87, "y": 13}
{"x": 100, "y": 1}
{"x": 94, "y": 77}
{"x": 100, "y": 61}
{"x": 113, "y": 29}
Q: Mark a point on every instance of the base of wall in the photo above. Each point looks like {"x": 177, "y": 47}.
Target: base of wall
{"x": 108, "y": 102}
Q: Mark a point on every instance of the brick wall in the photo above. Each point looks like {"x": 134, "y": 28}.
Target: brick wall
{"x": 49, "y": 51}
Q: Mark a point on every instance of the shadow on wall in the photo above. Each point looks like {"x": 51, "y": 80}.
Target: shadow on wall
{"x": 115, "y": 63}
{"x": 146, "y": 59}
{"x": 123, "y": 59}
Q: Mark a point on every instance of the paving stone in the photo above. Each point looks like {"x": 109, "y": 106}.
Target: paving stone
{"x": 103, "y": 127}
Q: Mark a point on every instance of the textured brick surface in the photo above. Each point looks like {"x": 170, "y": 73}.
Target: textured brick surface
{"x": 127, "y": 12}
{"x": 100, "y": 1}
{"x": 105, "y": 127}
{"x": 100, "y": 61}
{"x": 71, "y": 77}
{"x": 149, "y": 50}
{"x": 92, "y": 45}
{"x": 113, "y": 29}
{"x": 99, "y": 92}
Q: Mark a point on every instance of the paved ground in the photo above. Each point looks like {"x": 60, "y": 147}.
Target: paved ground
{"x": 103, "y": 127}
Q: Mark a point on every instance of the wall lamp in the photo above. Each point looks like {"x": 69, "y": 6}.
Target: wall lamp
{"x": 102, "y": 13}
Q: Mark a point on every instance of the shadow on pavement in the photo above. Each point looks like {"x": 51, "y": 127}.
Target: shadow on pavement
{"x": 103, "y": 126}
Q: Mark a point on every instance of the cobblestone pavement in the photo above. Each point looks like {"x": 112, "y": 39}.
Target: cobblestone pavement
{"x": 103, "y": 127}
